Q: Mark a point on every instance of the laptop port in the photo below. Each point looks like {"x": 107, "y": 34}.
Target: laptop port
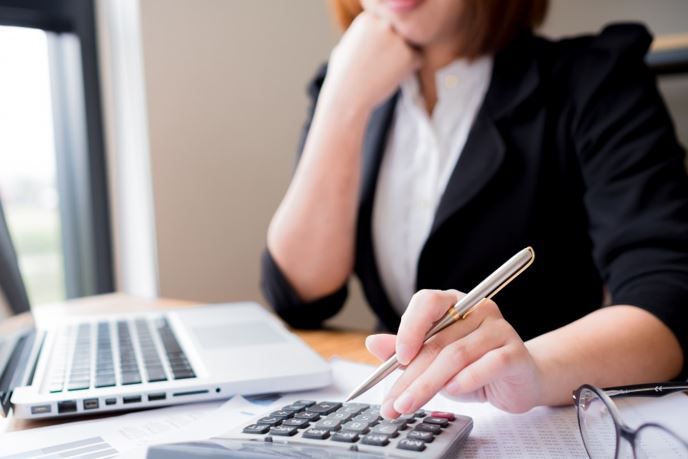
{"x": 131, "y": 399}
{"x": 91, "y": 404}
{"x": 158, "y": 396}
{"x": 40, "y": 409}
{"x": 68, "y": 406}
{"x": 190, "y": 392}
{"x": 110, "y": 401}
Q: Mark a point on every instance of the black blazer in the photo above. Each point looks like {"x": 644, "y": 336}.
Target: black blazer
{"x": 572, "y": 152}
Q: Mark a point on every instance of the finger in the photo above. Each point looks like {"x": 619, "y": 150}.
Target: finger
{"x": 492, "y": 366}
{"x": 425, "y": 308}
{"x": 487, "y": 310}
{"x": 477, "y": 396}
{"x": 451, "y": 360}
{"x": 434, "y": 346}
{"x": 381, "y": 345}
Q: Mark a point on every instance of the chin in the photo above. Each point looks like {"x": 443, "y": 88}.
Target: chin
{"x": 413, "y": 34}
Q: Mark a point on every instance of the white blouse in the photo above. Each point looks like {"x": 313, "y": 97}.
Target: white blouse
{"x": 419, "y": 158}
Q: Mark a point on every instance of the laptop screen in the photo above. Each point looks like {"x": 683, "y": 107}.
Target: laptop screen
{"x": 13, "y": 296}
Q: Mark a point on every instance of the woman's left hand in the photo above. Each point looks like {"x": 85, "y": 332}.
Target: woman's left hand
{"x": 480, "y": 358}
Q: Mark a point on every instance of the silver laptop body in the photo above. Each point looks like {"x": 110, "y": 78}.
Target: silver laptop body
{"x": 91, "y": 364}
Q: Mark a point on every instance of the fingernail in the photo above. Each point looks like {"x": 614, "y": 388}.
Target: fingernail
{"x": 367, "y": 340}
{"x": 403, "y": 354}
{"x": 404, "y": 403}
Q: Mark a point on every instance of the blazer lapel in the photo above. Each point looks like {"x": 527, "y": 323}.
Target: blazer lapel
{"x": 514, "y": 79}
{"x": 374, "y": 147}
{"x": 482, "y": 155}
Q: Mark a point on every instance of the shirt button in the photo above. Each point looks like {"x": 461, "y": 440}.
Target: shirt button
{"x": 451, "y": 81}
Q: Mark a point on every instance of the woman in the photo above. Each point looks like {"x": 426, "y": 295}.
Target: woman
{"x": 444, "y": 137}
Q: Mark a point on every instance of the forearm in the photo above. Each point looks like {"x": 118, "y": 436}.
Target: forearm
{"x": 311, "y": 236}
{"x": 616, "y": 345}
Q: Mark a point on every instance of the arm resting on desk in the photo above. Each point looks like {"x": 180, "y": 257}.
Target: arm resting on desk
{"x": 616, "y": 345}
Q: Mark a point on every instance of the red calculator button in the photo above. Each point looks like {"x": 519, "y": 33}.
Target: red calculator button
{"x": 443, "y": 414}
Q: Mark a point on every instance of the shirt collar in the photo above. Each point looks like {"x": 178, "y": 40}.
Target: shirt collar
{"x": 459, "y": 76}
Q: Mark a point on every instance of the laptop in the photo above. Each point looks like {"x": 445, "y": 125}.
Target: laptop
{"x": 99, "y": 363}
{"x": 90, "y": 364}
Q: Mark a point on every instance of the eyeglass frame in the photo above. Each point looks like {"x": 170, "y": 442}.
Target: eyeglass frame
{"x": 622, "y": 429}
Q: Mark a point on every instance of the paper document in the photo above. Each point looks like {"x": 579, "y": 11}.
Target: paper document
{"x": 129, "y": 435}
{"x": 541, "y": 433}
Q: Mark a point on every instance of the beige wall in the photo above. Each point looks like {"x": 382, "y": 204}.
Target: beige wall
{"x": 225, "y": 84}
{"x": 225, "y": 93}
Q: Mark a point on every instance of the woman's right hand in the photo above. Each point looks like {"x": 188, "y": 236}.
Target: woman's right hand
{"x": 368, "y": 64}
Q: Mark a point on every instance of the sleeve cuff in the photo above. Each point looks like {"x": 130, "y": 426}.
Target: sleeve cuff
{"x": 669, "y": 303}
{"x": 286, "y": 302}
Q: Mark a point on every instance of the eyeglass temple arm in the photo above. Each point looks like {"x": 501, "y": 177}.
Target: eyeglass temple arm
{"x": 647, "y": 390}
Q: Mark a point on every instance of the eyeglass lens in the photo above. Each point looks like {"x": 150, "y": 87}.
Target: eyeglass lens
{"x": 599, "y": 433}
{"x": 597, "y": 426}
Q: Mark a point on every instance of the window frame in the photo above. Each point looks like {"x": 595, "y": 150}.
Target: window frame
{"x": 91, "y": 262}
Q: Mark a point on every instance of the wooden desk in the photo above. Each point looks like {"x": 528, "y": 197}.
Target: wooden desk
{"x": 328, "y": 343}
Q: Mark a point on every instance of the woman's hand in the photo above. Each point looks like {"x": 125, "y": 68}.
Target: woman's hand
{"x": 480, "y": 358}
{"x": 368, "y": 64}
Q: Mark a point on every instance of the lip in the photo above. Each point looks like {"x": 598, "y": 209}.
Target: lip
{"x": 403, "y": 6}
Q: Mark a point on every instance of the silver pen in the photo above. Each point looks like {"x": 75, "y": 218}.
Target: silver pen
{"x": 484, "y": 290}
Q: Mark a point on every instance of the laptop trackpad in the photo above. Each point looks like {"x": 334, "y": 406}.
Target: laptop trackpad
{"x": 235, "y": 334}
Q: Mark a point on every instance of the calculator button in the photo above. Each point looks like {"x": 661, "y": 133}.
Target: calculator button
{"x": 401, "y": 422}
{"x": 373, "y": 411}
{"x": 420, "y": 414}
{"x": 354, "y": 408}
{"x": 383, "y": 428}
{"x": 283, "y": 414}
{"x": 443, "y": 414}
{"x": 294, "y": 422}
{"x": 432, "y": 428}
{"x": 409, "y": 418}
{"x": 442, "y": 422}
{"x": 269, "y": 420}
{"x": 316, "y": 434}
{"x": 427, "y": 437}
{"x": 304, "y": 402}
{"x": 329, "y": 424}
{"x": 412, "y": 445}
{"x": 340, "y": 416}
{"x": 369, "y": 418}
{"x": 292, "y": 408}
{"x": 324, "y": 407}
{"x": 283, "y": 431}
{"x": 312, "y": 417}
{"x": 358, "y": 427}
{"x": 256, "y": 429}
{"x": 375, "y": 439}
{"x": 347, "y": 437}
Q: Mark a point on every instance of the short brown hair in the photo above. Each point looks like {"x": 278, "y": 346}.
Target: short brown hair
{"x": 490, "y": 24}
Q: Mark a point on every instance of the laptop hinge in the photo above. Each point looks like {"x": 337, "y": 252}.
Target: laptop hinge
{"x": 13, "y": 374}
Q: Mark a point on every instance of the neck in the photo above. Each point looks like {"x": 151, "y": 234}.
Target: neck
{"x": 434, "y": 58}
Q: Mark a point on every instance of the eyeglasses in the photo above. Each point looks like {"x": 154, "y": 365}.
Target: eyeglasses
{"x": 606, "y": 436}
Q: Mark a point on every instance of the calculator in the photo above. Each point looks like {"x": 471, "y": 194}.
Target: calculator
{"x": 310, "y": 429}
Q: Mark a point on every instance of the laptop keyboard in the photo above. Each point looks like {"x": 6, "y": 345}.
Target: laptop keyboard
{"x": 125, "y": 353}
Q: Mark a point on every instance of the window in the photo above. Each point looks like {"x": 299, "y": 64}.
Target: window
{"x": 28, "y": 185}
{"x": 52, "y": 168}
